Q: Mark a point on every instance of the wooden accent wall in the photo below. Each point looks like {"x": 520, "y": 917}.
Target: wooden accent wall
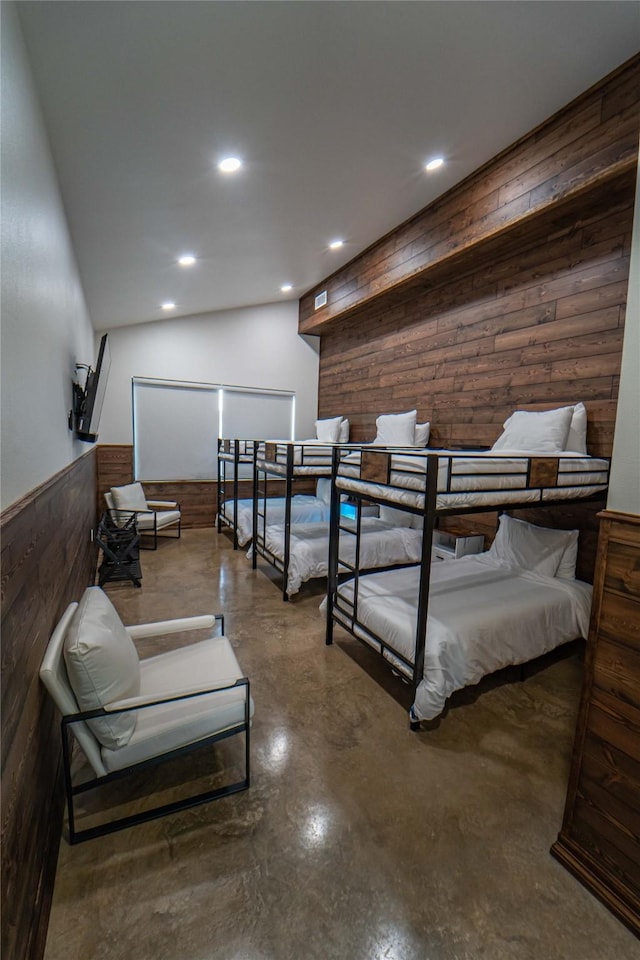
{"x": 197, "y": 498}
{"x": 600, "y": 837}
{"x": 47, "y": 561}
{"x": 584, "y": 149}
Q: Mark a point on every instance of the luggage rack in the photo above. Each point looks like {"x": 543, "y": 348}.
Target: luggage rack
{"x": 119, "y": 541}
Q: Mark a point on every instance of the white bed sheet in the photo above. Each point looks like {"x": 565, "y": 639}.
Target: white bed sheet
{"x": 505, "y": 483}
{"x": 483, "y": 615}
{"x": 305, "y": 508}
{"x": 381, "y": 545}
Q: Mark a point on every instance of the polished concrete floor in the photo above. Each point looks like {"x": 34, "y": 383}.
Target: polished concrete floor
{"x": 358, "y": 840}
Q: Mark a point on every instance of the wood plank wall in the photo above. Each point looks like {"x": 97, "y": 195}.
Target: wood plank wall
{"x": 47, "y": 561}
{"x": 535, "y": 324}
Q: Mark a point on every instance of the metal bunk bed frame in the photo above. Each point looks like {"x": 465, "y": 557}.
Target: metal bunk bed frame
{"x": 275, "y": 467}
{"x": 375, "y": 467}
{"x": 232, "y": 453}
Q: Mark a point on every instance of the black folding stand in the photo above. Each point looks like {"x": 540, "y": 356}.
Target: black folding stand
{"x": 120, "y": 545}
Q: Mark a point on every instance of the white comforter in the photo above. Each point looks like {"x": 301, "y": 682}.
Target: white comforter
{"x": 381, "y": 545}
{"x": 304, "y": 509}
{"x": 483, "y": 616}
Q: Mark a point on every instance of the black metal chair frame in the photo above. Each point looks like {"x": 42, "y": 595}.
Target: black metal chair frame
{"x": 121, "y": 823}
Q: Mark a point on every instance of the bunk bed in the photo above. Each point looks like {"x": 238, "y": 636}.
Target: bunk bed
{"x": 235, "y": 463}
{"x": 237, "y": 514}
{"x": 446, "y": 626}
{"x": 287, "y": 463}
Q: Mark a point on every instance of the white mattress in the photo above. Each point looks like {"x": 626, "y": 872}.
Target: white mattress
{"x": 381, "y": 545}
{"x": 483, "y": 616}
{"x": 310, "y": 458}
{"x": 470, "y": 486}
{"x": 304, "y": 509}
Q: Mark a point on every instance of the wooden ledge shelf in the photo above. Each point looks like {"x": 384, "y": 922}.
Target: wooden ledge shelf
{"x": 556, "y": 212}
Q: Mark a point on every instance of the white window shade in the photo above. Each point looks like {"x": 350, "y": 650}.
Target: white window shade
{"x": 175, "y": 429}
{"x": 176, "y": 424}
{"x": 248, "y": 415}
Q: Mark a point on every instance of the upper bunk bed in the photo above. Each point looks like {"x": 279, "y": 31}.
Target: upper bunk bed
{"x": 443, "y": 483}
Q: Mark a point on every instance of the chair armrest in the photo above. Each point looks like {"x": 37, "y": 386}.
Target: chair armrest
{"x": 138, "y": 631}
{"x": 167, "y": 504}
{"x": 169, "y": 696}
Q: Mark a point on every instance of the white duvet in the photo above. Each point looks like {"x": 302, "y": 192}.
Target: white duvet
{"x": 483, "y": 615}
{"x": 304, "y": 509}
{"x": 381, "y": 545}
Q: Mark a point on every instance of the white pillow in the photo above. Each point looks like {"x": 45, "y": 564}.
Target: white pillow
{"x": 323, "y": 489}
{"x": 567, "y": 566}
{"x": 396, "y": 429}
{"x": 421, "y": 435}
{"x": 577, "y": 437}
{"x": 130, "y": 497}
{"x": 343, "y": 436}
{"x": 103, "y": 666}
{"x": 398, "y": 518}
{"x": 328, "y": 430}
{"x": 536, "y": 432}
{"x": 536, "y": 549}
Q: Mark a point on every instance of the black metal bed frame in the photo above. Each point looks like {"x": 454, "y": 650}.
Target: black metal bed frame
{"x": 232, "y": 453}
{"x": 376, "y": 466}
{"x": 278, "y": 462}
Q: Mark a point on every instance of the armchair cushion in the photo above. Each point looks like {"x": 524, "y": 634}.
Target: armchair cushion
{"x": 102, "y": 665}
{"x": 159, "y": 520}
{"x": 129, "y": 497}
{"x": 168, "y": 726}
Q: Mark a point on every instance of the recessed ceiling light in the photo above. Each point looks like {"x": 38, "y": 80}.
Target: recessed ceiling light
{"x": 286, "y": 287}
{"x": 168, "y": 305}
{"x": 434, "y": 164}
{"x": 186, "y": 260}
{"x": 336, "y": 244}
{"x": 230, "y": 165}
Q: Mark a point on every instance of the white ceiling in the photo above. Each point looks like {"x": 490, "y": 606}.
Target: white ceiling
{"x": 334, "y": 107}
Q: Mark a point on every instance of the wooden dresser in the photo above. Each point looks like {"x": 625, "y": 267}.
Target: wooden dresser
{"x": 600, "y": 837}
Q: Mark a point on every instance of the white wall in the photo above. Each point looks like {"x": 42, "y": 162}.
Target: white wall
{"x": 251, "y": 346}
{"x": 45, "y": 325}
{"x": 624, "y": 486}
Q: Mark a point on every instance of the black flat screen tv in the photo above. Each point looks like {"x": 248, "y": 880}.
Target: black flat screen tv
{"x": 90, "y": 400}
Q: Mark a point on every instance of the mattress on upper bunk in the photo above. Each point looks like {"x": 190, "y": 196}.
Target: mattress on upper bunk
{"x": 305, "y": 508}
{"x": 483, "y": 615}
{"x": 478, "y": 478}
{"x": 381, "y": 545}
{"x": 311, "y": 457}
{"x": 245, "y": 450}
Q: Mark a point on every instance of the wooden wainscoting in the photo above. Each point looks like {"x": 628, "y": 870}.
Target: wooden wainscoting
{"x": 47, "y": 561}
{"x": 197, "y": 498}
{"x": 600, "y": 837}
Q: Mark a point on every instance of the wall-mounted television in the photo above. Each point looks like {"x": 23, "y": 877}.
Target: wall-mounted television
{"x": 88, "y": 400}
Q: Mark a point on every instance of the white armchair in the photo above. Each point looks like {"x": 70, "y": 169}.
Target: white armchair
{"x": 152, "y": 516}
{"x": 127, "y": 714}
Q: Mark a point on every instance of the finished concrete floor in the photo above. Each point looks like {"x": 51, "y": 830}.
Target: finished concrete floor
{"x": 358, "y": 840}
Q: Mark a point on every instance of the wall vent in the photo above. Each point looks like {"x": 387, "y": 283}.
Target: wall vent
{"x": 321, "y": 300}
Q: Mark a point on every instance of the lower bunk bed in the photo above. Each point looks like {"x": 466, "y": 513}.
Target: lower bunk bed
{"x": 444, "y": 625}
{"x": 483, "y": 615}
{"x": 379, "y": 544}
